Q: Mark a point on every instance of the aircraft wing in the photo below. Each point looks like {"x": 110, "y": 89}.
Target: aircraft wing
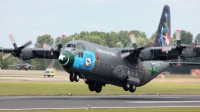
{"x": 30, "y": 53}
{"x": 6, "y": 50}
{"x": 174, "y": 52}
{"x": 162, "y": 53}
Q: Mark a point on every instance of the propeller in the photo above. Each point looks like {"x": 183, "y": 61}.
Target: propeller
{"x": 179, "y": 48}
{"x": 136, "y": 50}
{"x": 182, "y": 49}
{"x": 54, "y": 52}
{"x": 17, "y": 50}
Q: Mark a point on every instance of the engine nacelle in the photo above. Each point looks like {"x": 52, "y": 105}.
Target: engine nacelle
{"x": 145, "y": 54}
{"x": 27, "y": 54}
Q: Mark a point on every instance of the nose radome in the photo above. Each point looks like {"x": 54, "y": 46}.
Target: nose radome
{"x": 66, "y": 59}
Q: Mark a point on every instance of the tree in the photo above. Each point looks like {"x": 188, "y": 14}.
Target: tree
{"x": 197, "y": 39}
{"x": 142, "y": 41}
{"x": 44, "y": 39}
{"x": 111, "y": 39}
{"x": 95, "y": 39}
{"x": 152, "y": 38}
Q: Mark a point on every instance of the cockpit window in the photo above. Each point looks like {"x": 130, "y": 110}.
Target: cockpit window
{"x": 71, "y": 45}
{"x": 80, "y": 46}
{"x": 68, "y": 45}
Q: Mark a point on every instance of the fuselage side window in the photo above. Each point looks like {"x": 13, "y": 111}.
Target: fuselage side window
{"x": 80, "y": 54}
{"x": 73, "y": 45}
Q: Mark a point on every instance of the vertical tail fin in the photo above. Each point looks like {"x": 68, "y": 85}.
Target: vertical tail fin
{"x": 163, "y": 34}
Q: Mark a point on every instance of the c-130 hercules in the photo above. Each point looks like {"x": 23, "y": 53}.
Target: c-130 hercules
{"x": 124, "y": 67}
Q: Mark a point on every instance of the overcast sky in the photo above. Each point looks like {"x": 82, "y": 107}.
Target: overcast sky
{"x": 28, "y": 19}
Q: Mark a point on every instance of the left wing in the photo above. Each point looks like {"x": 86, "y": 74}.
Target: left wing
{"x": 29, "y": 53}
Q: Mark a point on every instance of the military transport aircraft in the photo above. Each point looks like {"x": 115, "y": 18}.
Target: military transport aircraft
{"x": 124, "y": 67}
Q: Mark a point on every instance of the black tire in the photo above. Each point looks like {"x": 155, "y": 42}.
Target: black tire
{"x": 126, "y": 86}
{"x": 71, "y": 77}
{"x": 132, "y": 88}
{"x": 91, "y": 86}
{"x": 76, "y": 77}
{"x": 98, "y": 88}
{"x": 48, "y": 75}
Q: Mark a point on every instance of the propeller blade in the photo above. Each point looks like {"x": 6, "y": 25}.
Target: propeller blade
{"x": 46, "y": 46}
{"x": 179, "y": 61}
{"x": 132, "y": 38}
{"x": 20, "y": 60}
{"x": 193, "y": 45}
{"x": 178, "y": 37}
{"x": 61, "y": 42}
{"x": 26, "y": 44}
{"x": 52, "y": 63}
{"x": 166, "y": 49}
{"x": 123, "y": 55}
{"x": 6, "y": 56}
{"x": 13, "y": 41}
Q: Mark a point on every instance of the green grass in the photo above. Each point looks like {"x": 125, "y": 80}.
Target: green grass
{"x": 123, "y": 110}
{"x": 63, "y": 88}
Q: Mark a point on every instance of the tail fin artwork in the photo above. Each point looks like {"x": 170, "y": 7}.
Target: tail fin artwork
{"x": 163, "y": 34}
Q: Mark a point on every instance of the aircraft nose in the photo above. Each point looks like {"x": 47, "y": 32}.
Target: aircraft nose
{"x": 66, "y": 59}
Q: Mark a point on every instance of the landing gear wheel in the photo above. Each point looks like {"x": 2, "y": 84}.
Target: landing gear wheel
{"x": 76, "y": 77}
{"x": 132, "y": 88}
{"x": 98, "y": 88}
{"x": 71, "y": 77}
{"x": 91, "y": 86}
{"x": 126, "y": 86}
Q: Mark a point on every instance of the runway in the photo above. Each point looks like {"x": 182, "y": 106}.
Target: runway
{"x": 97, "y": 102}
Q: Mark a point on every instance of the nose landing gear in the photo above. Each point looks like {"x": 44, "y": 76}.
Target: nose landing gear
{"x": 74, "y": 77}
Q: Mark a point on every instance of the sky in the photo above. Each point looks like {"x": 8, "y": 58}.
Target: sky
{"x": 28, "y": 19}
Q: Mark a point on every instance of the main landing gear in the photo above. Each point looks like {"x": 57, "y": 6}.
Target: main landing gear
{"x": 129, "y": 87}
{"x": 94, "y": 86}
{"x": 74, "y": 77}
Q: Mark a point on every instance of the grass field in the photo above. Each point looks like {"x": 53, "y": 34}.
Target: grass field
{"x": 62, "y": 88}
{"x": 32, "y": 83}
